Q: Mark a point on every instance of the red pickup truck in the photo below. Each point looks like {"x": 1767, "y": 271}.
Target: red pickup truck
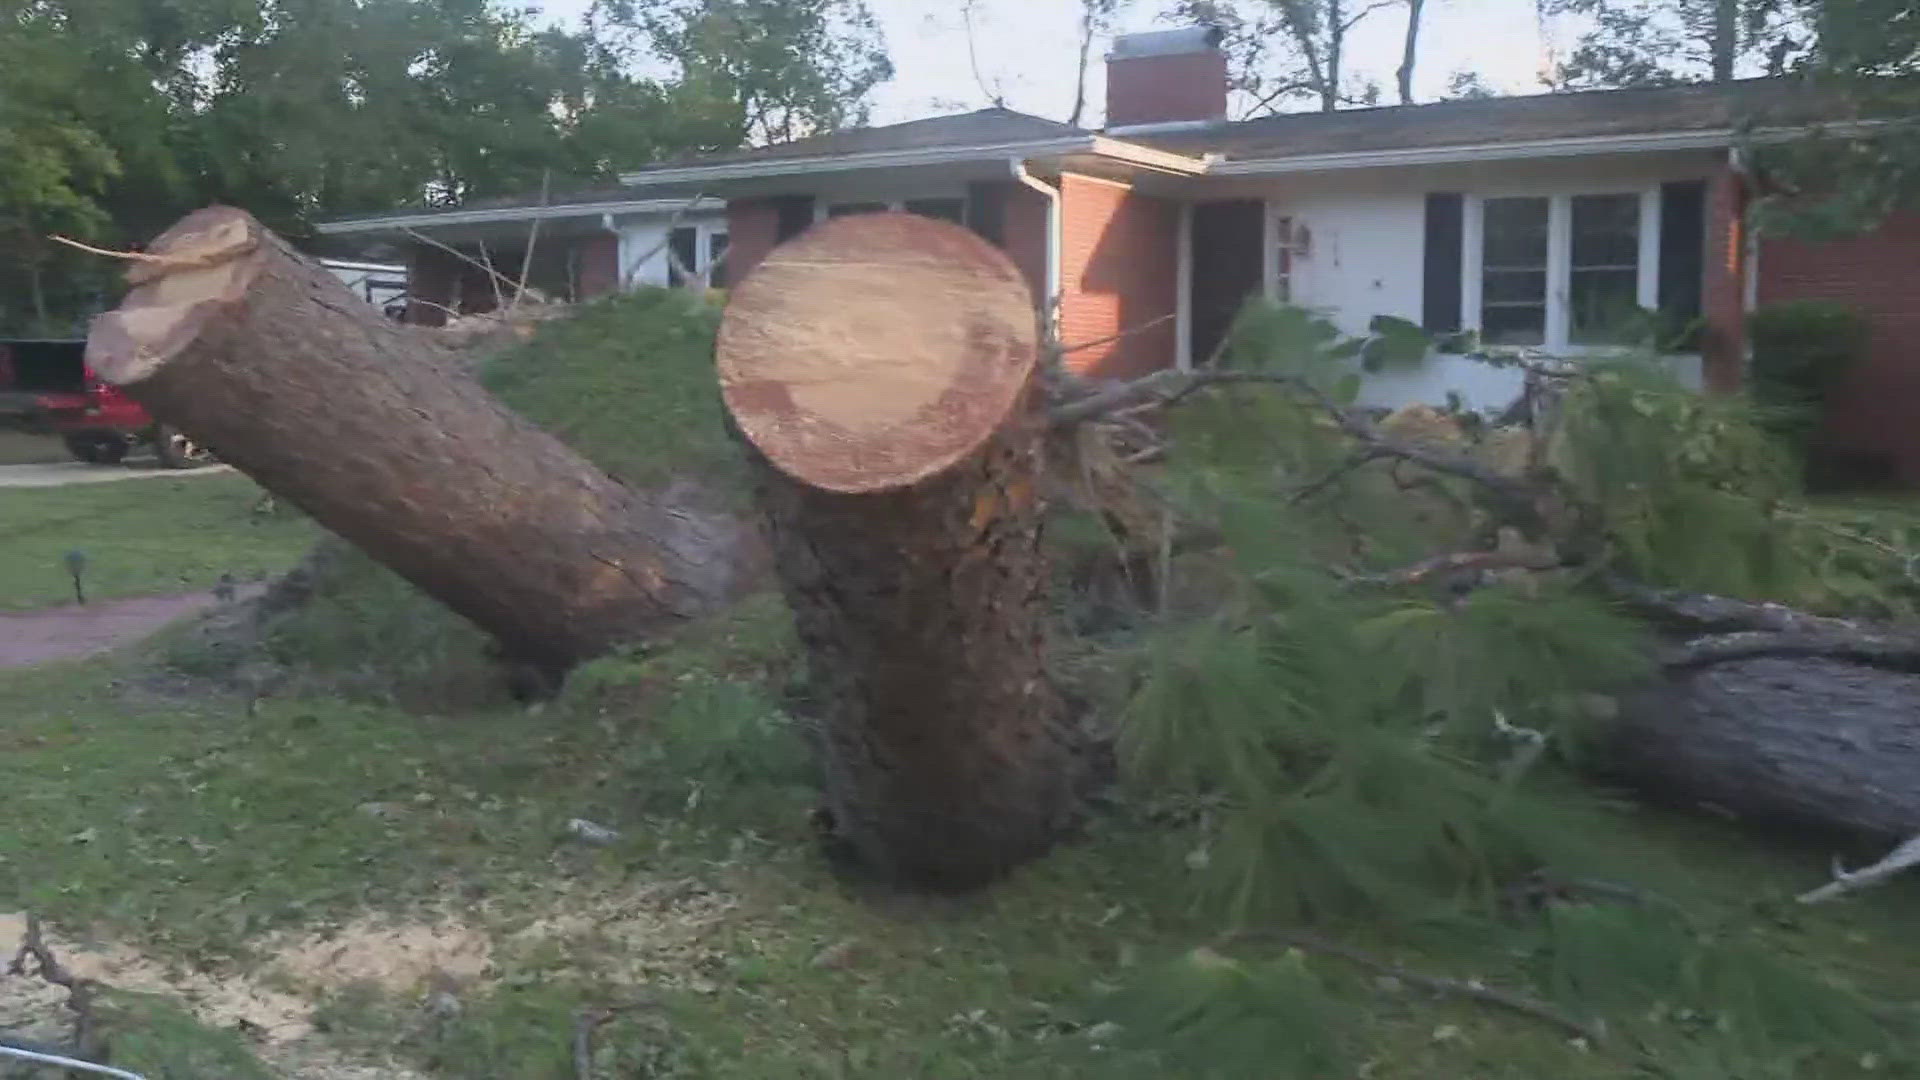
{"x": 45, "y": 387}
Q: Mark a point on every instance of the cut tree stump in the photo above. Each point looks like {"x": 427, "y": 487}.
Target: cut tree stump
{"x": 881, "y": 367}
{"x": 373, "y": 429}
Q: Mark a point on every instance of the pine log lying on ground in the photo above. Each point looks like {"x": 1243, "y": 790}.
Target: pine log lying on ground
{"x": 1776, "y": 716}
{"x": 372, "y": 428}
{"x": 881, "y": 369}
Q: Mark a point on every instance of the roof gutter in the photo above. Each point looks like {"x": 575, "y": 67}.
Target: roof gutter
{"x": 878, "y": 159}
{"x": 1706, "y": 139}
{"x": 1018, "y": 167}
{"x": 513, "y": 213}
{"x": 1444, "y": 155}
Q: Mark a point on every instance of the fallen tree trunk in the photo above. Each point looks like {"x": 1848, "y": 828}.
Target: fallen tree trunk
{"x": 1776, "y": 716}
{"x": 372, "y": 429}
{"x": 881, "y": 369}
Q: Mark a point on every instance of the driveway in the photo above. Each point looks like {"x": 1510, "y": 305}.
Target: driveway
{"x": 62, "y": 473}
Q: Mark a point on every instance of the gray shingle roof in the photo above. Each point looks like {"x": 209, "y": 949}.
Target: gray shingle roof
{"x": 1509, "y": 119}
{"x": 982, "y": 127}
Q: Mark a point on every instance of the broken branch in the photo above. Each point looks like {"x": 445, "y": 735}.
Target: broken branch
{"x": 485, "y": 267}
{"x": 1456, "y": 562}
{"x": 1471, "y": 989}
{"x": 1111, "y": 338}
{"x": 1904, "y": 857}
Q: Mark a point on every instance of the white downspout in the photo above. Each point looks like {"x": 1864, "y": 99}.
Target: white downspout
{"x": 1020, "y": 173}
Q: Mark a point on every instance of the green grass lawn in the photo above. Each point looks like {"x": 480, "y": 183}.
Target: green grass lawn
{"x": 156, "y": 811}
{"x": 143, "y": 537}
{"x": 711, "y": 929}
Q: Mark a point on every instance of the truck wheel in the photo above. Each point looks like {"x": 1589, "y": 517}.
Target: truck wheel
{"x": 95, "y": 450}
{"x": 176, "y": 451}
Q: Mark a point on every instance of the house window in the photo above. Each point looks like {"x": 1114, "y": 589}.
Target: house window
{"x": 683, "y": 245}
{"x": 1560, "y": 271}
{"x": 1283, "y": 259}
{"x": 1603, "y": 287}
{"x": 690, "y": 257}
{"x": 1513, "y": 272}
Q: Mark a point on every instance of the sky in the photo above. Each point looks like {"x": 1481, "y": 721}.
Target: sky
{"x": 1026, "y": 51}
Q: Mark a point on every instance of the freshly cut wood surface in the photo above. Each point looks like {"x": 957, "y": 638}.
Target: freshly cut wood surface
{"x": 876, "y": 350}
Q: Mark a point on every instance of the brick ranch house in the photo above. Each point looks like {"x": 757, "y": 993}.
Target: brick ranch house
{"x": 1525, "y": 219}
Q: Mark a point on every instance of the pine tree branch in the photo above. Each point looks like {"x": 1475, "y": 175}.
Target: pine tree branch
{"x": 1355, "y": 460}
{"x": 1170, "y": 387}
{"x": 1472, "y": 989}
{"x": 1455, "y": 562}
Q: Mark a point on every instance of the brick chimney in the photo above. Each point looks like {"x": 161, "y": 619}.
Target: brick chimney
{"x": 1168, "y": 76}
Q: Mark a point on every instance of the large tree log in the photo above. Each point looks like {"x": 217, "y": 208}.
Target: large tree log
{"x": 881, "y": 367}
{"x": 1777, "y": 716}
{"x": 373, "y": 429}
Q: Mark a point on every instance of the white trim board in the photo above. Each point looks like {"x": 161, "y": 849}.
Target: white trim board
{"x": 1575, "y": 146}
{"x": 521, "y": 213}
{"x": 878, "y": 159}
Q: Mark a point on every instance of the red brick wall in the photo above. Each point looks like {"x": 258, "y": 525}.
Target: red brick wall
{"x": 597, "y": 265}
{"x": 1117, "y": 271}
{"x": 1876, "y": 414}
{"x": 1153, "y": 89}
{"x": 1723, "y": 293}
{"x": 753, "y": 227}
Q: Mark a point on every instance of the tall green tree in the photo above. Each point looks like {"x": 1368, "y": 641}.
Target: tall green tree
{"x": 1663, "y": 42}
{"x": 1864, "y": 60}
{"x": 116, "y": 116}
{"x": 766, "y": 70}
{"x": 1284, "y": 53}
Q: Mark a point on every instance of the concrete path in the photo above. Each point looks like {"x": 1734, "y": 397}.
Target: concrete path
{"x": 73, "y": 631}
{"x": 61, "y": 473}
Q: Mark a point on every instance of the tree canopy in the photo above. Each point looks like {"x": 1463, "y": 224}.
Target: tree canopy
{"x": 118, "y": 115}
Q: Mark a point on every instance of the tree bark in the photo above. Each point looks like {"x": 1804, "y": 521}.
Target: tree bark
{"x": 1409, "y": 51}
{"x": 1798, "y": 740}
{"x": 1726, "y": 32}
{"x": 373, "y": 429}
{"x": 1777, "y": 716}
{"x": 881, "y": 367}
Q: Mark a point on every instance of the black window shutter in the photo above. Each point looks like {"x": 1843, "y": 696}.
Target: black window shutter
{"x": 986, "y": 211}
{"x": 796, "y": 215}
{"x": 1440, "y": 294}
{"x": 1683, "y": 258}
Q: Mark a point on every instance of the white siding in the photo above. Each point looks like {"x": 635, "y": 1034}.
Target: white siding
{"x": 1364, "y": 250}
{"x": 643, "y": 252}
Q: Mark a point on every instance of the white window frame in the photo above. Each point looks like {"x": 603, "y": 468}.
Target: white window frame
{"x": 1559, "y": 257}
{"x": 703, "y": 234}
